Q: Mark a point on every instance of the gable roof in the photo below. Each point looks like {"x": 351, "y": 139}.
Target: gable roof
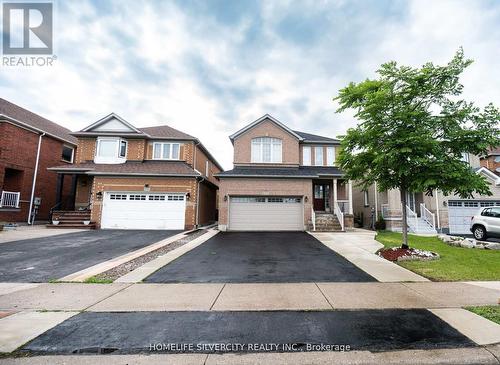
{"x": 491, "y": 175}
{"x": 108, "y": 118}
{"x": 26, "y": 119}
{"x": 260, "y": 120}
{"x": 308, "y": 137}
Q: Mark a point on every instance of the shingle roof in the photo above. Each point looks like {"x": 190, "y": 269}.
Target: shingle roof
{"x": 290, "y": 172}
{"x": 164, "y": 131}
{"x": 308, "y": 137}
{"x": 149, "y": 168}
{"x": 494, "y": 151}
{"x": 35, "y": 121}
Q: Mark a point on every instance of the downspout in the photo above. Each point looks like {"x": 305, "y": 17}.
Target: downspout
{"x": 198, "y": 200}
{"x": 34, "y": 176}
{"x": 376, "y": 201}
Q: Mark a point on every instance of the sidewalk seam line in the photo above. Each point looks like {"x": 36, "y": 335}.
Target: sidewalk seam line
{"x": 324, "y": 296}
{"x": 109, "y": 296}
{"x": 218, "y": 295}
{"x": 492, "y": 354}
{"x": 426, "y": 297}
{"x": 206, "y": 359}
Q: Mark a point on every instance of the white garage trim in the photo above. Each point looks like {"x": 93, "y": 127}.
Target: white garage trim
{"x": 460, "y": 213}
{"x": 266, "y": 213}
{"x": 143, "y": 210}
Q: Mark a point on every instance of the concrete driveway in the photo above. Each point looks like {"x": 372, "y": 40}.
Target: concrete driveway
{"x": 260, "y": 257}
{"x": 46, "y": 258}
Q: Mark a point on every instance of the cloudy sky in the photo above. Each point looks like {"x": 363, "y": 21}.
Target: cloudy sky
{"x": 210, "y": 67}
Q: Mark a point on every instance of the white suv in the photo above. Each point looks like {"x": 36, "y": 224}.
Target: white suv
{"x": 486, "y": 223}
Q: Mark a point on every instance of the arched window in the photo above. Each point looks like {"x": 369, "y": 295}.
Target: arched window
{"x": 266, "y": 150}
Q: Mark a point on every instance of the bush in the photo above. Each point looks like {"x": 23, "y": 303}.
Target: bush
{"x": 380, "y": 224}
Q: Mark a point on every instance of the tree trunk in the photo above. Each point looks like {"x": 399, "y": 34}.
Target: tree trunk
{"x": 405, "y": 221}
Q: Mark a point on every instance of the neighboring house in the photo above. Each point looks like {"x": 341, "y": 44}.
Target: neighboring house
{"x": 427, "y": 214}
{"x": 29, "y": 144}
{"x": 141, "y": 178}
{"x": 492, "y": 160}
{"x": 283, "y": 180}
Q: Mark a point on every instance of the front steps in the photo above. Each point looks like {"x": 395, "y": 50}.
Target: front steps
{"x": 422, "y": 227}
{"x": 326, "y": 222}
{"x": 72, "y": 219}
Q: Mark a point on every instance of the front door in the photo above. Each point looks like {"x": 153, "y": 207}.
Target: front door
{"x": 319, "y": 197}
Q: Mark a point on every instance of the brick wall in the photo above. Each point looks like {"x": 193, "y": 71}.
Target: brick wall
{"x": 490, "y": 163}
{"x": 18, "y": 150}
{"x": 200, "y": 164}
{"x": 290, "y": 144}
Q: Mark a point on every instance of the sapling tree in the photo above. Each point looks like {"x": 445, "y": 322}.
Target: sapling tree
{"x": 414, "y": 131}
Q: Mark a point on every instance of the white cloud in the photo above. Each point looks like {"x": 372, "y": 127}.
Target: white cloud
{"x": 156, "y": 63}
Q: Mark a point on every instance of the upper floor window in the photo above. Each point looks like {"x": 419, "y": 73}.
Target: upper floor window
{"x": 266, "y": 150}
{"x": 318, "y": 156}
{"x": 111, "y": 150}
{"x": 465, "y": 157}
{"x": 330, "y": 156}
{"x": 166, "y": 151}
{"x": 67, "y": 153}
{"x": 306, "y": 156}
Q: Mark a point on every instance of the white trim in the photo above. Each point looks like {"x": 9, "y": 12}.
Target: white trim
{"x": 261, "y": 119}
{"x": 108, "y": 118}
{"x": 259, "y": 143}
{"x": 330, "y": 162}
{"x": 33, "y": 184}
{"x": 162, "y": 146}
{"x": 116, "y": 159}
{"x": 483, "y": 170}
{"x": 319, "y": 148}
{"x": 308, "y": 162}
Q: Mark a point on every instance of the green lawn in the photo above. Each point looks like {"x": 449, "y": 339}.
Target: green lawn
{"x": 491, "y": 312}
{"x": 455, "y": 264}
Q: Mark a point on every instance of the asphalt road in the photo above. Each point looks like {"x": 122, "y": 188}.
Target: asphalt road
{"x": 185, "y": 332}
{"x": 43, "y": 259}
{"x": 258, "y": 257}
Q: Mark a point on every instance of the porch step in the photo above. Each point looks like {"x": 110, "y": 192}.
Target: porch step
{"x": 72, "y": 225}
{"x": 423, "y": 228}
{"x": 326, "y": 222}
{"x": 72, "y": 219}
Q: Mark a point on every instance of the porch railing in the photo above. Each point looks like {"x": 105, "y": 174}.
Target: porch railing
{"x": 313, "y": 219}
{"x": 427, "y": 215}
{"x": 343, "y": 205}
{"x": 10, "y": 199}
{"x": 411, "y": 219}
{"x": 340, "y": 215}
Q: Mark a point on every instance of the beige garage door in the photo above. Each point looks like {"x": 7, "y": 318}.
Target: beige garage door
{"x": 258, "y": 213}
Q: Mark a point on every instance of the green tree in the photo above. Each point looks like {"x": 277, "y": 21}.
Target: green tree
{"x": 414, "y": 130}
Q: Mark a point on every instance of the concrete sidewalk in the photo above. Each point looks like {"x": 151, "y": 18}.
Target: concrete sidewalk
{"x": 359, "y": 247}
{"x": 28, "y": 232}
{"x": 235, "y": 297}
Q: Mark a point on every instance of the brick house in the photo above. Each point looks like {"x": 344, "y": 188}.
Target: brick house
{"x": 29, "y": 144}
{"x": 427, "y": 214}
{"x": 283, "y": 180}
{"x": 140, "y": 178}
{"x": 492, "y": 160}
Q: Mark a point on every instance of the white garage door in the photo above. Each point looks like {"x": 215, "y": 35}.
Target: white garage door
{"x": 143, "y": 211}
{"x": 260, "y": 213}
{"x": 460, "y": 213}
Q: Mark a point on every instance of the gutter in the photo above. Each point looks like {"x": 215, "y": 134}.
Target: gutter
{"x": 33, "y": 184}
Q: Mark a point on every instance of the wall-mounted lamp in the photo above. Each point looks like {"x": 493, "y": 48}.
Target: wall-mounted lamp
{"x": 306, "y": 199}
{"x": 99, "y": 195}
{"x": 225, "y": 198}
{"x": 188, "y": 195}
{"x": 146, "y": 187}
{"x": 445, "y": 203}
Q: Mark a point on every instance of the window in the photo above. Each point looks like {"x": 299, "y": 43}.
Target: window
{"x": 366, "y": 198}
{"x": 118, "y": 197}
{"x": 330, "y": 156}
{"x": 497, "y": 159}
{"x": 166, "y": 151}
{"x": 137, "y": 197}
{"x": 176, "y": 197}
{"x": 67, "y": 153}
{"x": 123, "y": 149}
{"x": 266, "y": 150}
{"x": 318, "y": 156}
{"x": 306, "y": 156}
{"x": 156, "y": 197}
{"x": 465, "y": 157}
{"x": 491, "y": 212}
{"x": 111, "y": 148}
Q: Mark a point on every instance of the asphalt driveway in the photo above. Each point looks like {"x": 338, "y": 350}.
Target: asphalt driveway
{"x": 260, "y": 257}
{"x": 46, "y": 258}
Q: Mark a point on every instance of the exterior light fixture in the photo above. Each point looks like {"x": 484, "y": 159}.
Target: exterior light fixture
{"x": 306, "y": 199}
{"x": 188, "y": 195}
{"x": 225, "y": 198}
{"x": 99, "y": 195}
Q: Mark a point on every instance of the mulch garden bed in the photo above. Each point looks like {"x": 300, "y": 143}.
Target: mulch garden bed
{"x": 406, "y": 254}
{"x": 127, "y": 267}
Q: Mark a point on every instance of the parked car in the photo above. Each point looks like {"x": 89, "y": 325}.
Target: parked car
{"x": 486, "y": 223}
